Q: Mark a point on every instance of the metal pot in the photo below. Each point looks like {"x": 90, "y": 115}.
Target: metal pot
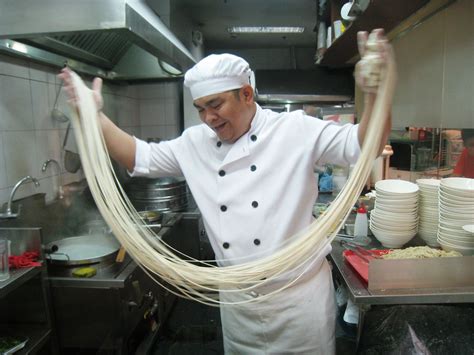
{"x": 162, "y": 194}
{"x": 82, "y": 250}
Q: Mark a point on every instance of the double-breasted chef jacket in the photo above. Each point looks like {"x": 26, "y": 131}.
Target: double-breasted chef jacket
{"x": 255, "y": 194}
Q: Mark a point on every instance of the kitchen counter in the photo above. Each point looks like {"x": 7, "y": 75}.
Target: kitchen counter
{"x": 385, "y": 316}
{"x": 360, "y": 294}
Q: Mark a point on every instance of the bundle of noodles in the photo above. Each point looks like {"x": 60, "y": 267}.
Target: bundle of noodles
{"x": 200, "y": 280}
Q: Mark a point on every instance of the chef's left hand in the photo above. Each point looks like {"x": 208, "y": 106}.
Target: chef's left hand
{"x": 375, "y": 52}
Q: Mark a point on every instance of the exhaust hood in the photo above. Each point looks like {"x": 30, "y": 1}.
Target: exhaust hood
{"x": 319, "y": 85}
{"x": 114, "y": 39}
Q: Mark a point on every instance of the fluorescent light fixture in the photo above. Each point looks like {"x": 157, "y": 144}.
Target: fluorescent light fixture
{"x": 265, "y": 29}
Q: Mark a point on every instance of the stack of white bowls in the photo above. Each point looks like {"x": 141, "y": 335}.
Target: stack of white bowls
{"x": 394, "y": 219}
{"x": 456, "y": 209}
{"x": 428, "y": 211}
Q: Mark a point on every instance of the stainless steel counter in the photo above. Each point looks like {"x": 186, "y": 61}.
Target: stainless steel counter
{"x": 360, "y": 294}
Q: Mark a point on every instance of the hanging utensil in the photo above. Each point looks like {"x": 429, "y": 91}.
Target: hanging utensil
{"x": 72, "y": 161}
{"x": 56, "y": 113}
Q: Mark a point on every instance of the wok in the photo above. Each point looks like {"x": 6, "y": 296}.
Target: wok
{"x": 82, "y": 250}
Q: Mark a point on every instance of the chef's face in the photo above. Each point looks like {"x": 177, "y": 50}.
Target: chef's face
{"x": 229, "y": 113}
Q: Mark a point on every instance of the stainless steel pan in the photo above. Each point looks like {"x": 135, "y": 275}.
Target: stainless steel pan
{"x": 82, "y": 250}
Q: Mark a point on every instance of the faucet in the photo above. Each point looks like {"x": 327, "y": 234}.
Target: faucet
{"x": 8, "y": 213}
{"x": 60, "y": 185}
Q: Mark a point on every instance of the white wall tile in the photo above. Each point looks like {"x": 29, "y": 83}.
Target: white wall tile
{"x": 49, "y": 186}
{"x": 3, "y": 176}
{"x": 41, "y": 107}
{"x": 111, "y": 106}
{"x": 152, "y": 112}
{"x": 127, "y": 111}
{"x": 172, "y": 131}
{"x": 15, "y": 104}
{"x": 25, "y": 190}
{"x": 39, "y": 72}
{"x": 152, "y": 91}
{"x": 154, "y": 132}
{"x": 48, "y": 146}
{"x": 134, "y": 131}
{"x": 69, "y": 177}
{"x": 62, "y": 105}
{"x": 4, "y": 195}
{"x": 14, "y": 66}
{"x": 171, "y": 111}
{"x": 20, "y": 155}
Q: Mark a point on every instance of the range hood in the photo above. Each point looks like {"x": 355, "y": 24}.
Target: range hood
{"x": 114, "y": 39}
{"x": 319, "y": 85}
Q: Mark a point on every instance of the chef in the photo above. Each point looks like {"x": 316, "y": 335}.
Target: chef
{"x": 250, "y": 171}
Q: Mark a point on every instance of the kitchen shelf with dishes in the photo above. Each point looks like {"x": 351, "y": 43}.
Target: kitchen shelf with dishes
{"x": 394, "y": 16}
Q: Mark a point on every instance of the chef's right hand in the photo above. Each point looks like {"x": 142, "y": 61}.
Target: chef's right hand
{"x": 70, "y": 89}
{"x": 375, "y": 52}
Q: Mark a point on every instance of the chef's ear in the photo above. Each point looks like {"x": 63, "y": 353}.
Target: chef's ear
{"x": 247, "y": 91}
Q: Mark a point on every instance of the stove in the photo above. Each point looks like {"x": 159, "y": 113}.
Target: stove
{"x": 111, "y": 311}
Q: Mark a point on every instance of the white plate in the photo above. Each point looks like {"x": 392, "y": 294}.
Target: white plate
{"x": 392, "y": 186}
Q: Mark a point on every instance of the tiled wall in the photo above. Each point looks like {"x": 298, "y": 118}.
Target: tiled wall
{"x": 29, "y": 135}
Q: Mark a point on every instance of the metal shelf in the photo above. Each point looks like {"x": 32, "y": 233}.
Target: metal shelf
{"x": 17, "y": 278}
{"x": 37, "y": 336}
{"x": 394, "y": 16}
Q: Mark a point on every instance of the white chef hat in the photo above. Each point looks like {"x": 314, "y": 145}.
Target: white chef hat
{"x": 217, "y": 73}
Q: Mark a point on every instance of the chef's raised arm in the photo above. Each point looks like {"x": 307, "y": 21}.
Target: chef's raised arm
{"x": 121, "y": 145}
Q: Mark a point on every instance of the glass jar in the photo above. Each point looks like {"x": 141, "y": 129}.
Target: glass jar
{"x": 4, "y": 253}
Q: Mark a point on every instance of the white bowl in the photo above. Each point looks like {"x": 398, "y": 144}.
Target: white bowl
{"x": 462, "y": 197}
{"x": 456, "y": 193}
{"x": 392, "y": 186}
{"x": 392, "y": 242}
{"x": 450, "y": 247}
{"x": 458, "y": 183}
{"x": 457, "y": 243}
{"x": 396, "y": 196}
{"x": 427, "y": 227}
{"x": 463, "y": 239}
{"x": 393, "y": 226}
{"x": 455, "y": 201}
{"x": 397, "y": 202}
{"x": 393, "y": 233}
{"x": 468, "y": 228}
{"x": 429, "y": 182}
{"x": 394, "y": 216}
{"x": 401, "y": 210}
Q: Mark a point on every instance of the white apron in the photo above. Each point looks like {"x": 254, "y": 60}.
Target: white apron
{"x": 300, "y": 320}
{"x": 254, "y": 195}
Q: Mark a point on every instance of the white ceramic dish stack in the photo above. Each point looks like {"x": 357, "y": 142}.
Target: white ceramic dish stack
{"x": 394, "y": 219}
{"x": 428, "y": 211}
{"x": 456, "y": 209}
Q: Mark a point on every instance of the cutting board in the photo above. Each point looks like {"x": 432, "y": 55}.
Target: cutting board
{"x": 359, "y": 264}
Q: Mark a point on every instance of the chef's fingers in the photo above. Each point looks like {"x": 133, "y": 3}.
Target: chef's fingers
{"x": 68, "y": 85}
{"x": 97, "y": 92}
{"x": 361, "y": 41}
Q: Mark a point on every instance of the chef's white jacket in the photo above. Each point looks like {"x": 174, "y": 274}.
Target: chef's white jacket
{"x": 253, "y": 195}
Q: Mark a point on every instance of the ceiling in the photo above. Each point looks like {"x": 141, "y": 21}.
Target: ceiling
{"x": 213, "y": 17}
